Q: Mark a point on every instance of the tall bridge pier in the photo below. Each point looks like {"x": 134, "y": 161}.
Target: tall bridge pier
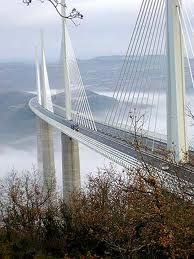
{"x": 45, "y": 152}
{"x": 70, "y": 165}
{"x": 45, "y": 149}
{"x": 70, "y": 147}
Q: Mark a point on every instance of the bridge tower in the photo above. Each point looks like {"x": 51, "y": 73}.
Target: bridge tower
{"x": 176, "y": 125}
{"x": 70, "y": 147}
{"x": 45, "y": 148}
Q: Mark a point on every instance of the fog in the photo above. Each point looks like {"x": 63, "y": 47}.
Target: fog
{"x": 103, "y": 20}
{"x": 24, "y": 160}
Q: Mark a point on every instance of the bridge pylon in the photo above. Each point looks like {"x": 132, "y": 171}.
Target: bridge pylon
{"x": 64, "y": 61}
{"x": 70, "y": 147}
{"x": 176, "y": 124}
{"x": 45, "y": 149}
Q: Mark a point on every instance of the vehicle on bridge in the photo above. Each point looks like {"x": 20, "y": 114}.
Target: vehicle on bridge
{"x": 75, "y": 127}
{"x": 165, "y": 167}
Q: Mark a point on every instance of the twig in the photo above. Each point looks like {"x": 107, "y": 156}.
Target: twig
{"x": 74, "y": 14}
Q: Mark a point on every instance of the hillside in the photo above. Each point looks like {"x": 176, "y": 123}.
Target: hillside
{"x": 17, "y": 121}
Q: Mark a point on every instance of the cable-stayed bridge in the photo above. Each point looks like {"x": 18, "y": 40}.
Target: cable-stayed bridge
{"x": 161, "y": 39}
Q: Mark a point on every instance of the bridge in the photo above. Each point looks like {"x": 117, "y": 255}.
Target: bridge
{"x": 128, "y": 134}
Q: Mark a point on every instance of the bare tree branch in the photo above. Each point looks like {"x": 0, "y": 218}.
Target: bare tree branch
{"x": 190, "y": 113}
{"x": 73, "y": 15}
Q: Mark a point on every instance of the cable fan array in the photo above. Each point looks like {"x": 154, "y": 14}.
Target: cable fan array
{"x": 141, "y": 89}
{"x": 143, "y": 75}
{"x": 81, "y": 111}
{"x": 140, "y": 93}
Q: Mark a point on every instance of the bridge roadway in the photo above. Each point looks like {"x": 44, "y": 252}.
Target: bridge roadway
{"x": 113, "y": 143}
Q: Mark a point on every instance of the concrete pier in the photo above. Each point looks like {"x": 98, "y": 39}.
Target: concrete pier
{"x": 70, "y": 165}
{"x": 46, "y": 162}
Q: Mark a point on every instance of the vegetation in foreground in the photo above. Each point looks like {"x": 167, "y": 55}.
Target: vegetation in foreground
{"x": 128, "y": 215}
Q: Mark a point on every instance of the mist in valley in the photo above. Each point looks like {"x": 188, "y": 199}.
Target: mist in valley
{"x": 18, "y": 123}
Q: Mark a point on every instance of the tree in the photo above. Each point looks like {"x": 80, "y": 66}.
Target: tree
{"x": 134, "y": 214}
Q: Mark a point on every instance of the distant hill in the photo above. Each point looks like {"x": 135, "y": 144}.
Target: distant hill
{"x": 98, "y": 103}
{"x": 17, "y": 121}
{"x": 17, "y": 77}
{"x": 99, "y": 74}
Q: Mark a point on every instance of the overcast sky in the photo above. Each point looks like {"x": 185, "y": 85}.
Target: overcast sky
{"x": 105, "y": 30}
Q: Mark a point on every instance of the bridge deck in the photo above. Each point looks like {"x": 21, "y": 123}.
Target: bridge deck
{"x": 120, "y": 141}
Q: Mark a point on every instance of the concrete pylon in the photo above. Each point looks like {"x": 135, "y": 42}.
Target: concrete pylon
{"x": 70, "y": 147}
{"x": 65, "y": 72}
{"x": 176, "y": 124}
{"x": 45, "y": 87}
{"x": 45, "y": 149}
{"x": 70, "y": 165}
{"x": 38, "y": 86}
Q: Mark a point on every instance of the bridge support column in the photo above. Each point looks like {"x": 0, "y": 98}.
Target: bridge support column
{"x": 176, "y": 125}
{"x": 70, "y": 147}
{"x": 46, "y": 162}
{"x": 45, "y": 149}
{"x": 70, "y": 165}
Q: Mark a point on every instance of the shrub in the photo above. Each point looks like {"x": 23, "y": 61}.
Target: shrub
{"x": 132, "y": 214}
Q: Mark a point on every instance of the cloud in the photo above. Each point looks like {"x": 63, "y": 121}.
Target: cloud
{"x": 105, "y": 29}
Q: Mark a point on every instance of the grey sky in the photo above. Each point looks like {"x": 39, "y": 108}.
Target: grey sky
{"x": 105, "y": 30}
